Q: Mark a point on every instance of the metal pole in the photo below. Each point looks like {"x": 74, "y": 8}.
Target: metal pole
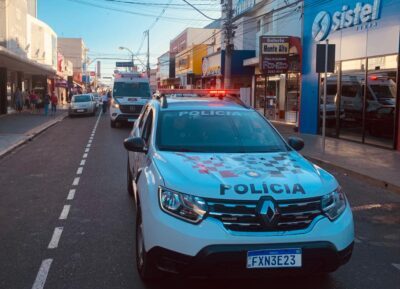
{"x": 324, "y": 98}
{"x": 228, "y": 45}
{"x": 148, "y": 53}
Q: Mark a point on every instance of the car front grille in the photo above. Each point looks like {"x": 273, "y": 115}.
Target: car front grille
{"x": 243, "y": 216}
{"x": 136, "y": 109}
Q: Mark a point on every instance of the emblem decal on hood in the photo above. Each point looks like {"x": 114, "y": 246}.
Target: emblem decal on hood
{"x": 279, "y": 165}
{"x": 263, "y": 188}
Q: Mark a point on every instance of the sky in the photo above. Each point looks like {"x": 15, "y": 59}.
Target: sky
{"x": 106, "y": 25}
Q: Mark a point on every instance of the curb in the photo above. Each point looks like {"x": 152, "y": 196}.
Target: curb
{"x": 31, "y": 134}
{"x": 362, "y": 177}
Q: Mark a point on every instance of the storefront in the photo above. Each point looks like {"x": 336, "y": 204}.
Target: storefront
{"x": 362, "y": 93}
{"x": 213, "y": 68}
{"x": 19, "y": 72}
{"x": 277, "y": 91}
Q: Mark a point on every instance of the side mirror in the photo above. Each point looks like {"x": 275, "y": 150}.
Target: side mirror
{"x": 135, "y": 144}
{"x": 296, "y": 143}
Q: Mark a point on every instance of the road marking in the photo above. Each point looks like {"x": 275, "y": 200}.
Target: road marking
{"x": 83, "y": 162}
{"x": 64, "y": 212}
{"x": 76, "y": 181}
{"x": 87, "y": 150}
{"x": 366, "y": 207}
{"x": 84, "y": 155}
{"x": 71, "y": 194}
{"x": 42, "y": 274}
{"x": 79, "y": 171}
{"x": 397, "y": 266}
{"x": 88, "y": 145}
{"x": 90, "y": 141}
{"x": 55, "y": 238}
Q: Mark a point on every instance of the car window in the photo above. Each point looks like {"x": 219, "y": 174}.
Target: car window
{"x": 142, "y": 117}
{"x": 230, "y": 131}
{"x": 81, "y": 98}
{"x": 148, "y": 125}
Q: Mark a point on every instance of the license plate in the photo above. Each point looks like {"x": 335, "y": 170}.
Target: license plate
{"x": 131, "y": 119}
{"x": 276, "y": 258}
{"x": 80, "y": 110}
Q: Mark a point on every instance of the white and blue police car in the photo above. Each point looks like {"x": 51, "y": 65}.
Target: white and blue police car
{"x": 218, "y": 191}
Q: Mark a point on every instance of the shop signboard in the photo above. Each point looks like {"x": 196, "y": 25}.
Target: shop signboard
{"x": 212, "y": 65}
{"x": 274, "y": 54}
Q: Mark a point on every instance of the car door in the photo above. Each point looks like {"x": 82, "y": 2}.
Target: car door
{"x": 141, "y": 161}
{"x": 135, "y": 158}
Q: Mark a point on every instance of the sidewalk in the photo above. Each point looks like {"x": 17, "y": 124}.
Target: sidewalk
{"x": 381, "y": 166}
{"x": 18, "y": 128}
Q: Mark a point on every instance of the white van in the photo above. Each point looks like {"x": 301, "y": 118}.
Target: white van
{"x": 131, "y": 91}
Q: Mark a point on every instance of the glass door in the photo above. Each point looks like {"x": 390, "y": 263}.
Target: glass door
{"x": 380, "y": 103}
{"x": 352, "y": 100}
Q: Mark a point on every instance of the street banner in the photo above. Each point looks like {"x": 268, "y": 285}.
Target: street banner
{"x": 274, "y": 54}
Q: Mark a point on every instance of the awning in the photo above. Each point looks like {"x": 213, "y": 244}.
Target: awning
{"x": 14, "y": 62}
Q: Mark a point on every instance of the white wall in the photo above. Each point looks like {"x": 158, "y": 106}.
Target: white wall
{"x": 42, "y": 42}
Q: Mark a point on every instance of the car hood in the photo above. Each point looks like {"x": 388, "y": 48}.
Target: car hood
{"x": 129, "y": 100}
{"x": 283, "y": 175}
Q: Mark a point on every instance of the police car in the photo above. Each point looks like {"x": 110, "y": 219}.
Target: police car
{"x": 218, "y": 191}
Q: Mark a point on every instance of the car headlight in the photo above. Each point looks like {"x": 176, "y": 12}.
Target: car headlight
{"x": 182, "y": 206}
{"x": 333, "y": 204}
{"x": 115, "y": 105}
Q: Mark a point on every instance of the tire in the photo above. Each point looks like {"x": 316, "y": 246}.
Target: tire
{"x": 113, "y": 124}
{"x": 146, "y": 268}
{"x": 129, "y": 180}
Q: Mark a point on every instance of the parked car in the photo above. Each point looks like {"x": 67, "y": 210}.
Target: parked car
{"x": 82, "y": 104}
{"x": 219, "y": 192}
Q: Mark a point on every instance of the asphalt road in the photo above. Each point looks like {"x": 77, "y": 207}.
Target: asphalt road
{"x": 75, "y": 233}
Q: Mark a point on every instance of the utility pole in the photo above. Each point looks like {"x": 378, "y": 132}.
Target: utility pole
{"x": 148, "y": 53}
{"x": 228, "y": 26}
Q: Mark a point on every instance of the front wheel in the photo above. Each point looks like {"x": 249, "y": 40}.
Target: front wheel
{"x": 147, "y": 269}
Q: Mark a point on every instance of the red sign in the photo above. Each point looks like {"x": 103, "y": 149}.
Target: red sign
{"x": 92, "y": 73}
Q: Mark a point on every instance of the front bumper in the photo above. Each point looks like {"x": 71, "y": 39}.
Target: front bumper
{"x": 230, "y": 260}
{"x": 124, "y": 117}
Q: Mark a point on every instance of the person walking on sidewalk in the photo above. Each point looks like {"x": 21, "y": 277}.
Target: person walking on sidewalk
{"x": 33, "y": 98}
{"x": 25, "y": 96}
{"x": 46, "y": 102}
{"x": 54, "y": 102}
{"x": 18, "y": 100}
{"x": 104, "y": 99}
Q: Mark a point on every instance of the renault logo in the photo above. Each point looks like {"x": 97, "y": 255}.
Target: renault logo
{"x": 268, "y": 211}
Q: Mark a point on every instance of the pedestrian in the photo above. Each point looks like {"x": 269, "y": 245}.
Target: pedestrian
{"x": 46, "y": 102}
{"x": 26, "y": 99}
{"x": 104, "y": 99}
{"x": 18, "y": 100}
{"x": 33, "y": 99}
{"x": 54, "y": 102}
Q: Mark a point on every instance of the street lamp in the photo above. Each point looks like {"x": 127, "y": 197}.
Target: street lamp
{"x": 130, "y": 51}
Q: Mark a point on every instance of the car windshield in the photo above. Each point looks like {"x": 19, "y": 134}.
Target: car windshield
{"x": 383, "y": 91}
{"x": 136, "y": 89}
{"x": 224, "y": 131}
{"x": 81, "y": 98}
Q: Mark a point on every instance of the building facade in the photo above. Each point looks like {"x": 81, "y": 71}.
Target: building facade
{"x": 21, "y": 34}
{"x": 362, "y": 92}
{"x": 276, "y": 95}
{"x": 74, "y": 50}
